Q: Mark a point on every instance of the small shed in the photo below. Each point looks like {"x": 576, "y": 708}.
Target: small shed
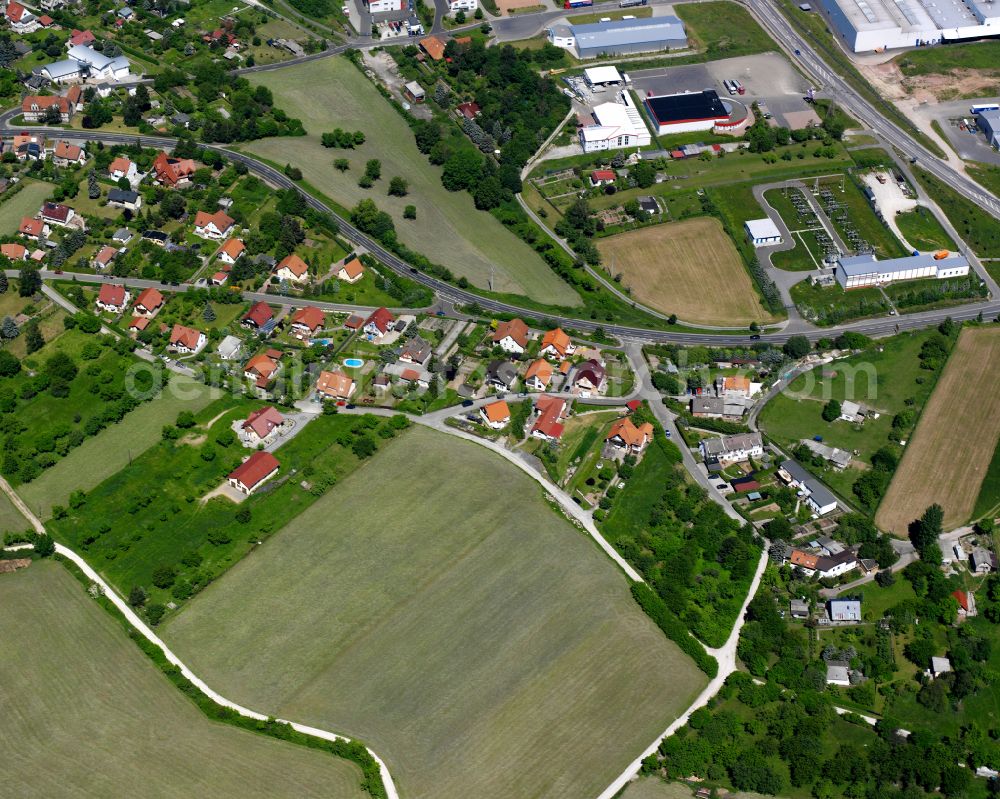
{"x": 414, "y": 91}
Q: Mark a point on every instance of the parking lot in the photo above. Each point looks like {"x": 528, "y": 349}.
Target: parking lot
{"x": 970, "y": 144}
{"x": 767, "y": 77}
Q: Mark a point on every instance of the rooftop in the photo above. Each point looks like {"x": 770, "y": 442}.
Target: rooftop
{"x": 867, "y": 264}
{"x": 628, "y": 31}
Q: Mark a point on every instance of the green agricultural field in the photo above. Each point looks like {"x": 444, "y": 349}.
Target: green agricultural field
{"x": 26, "y": 202}
{"x": 100, "y": 457}
{"x": 87, "y": 714}
{"x": 723, "y": 29}
{"x": 11, "y": 519}
{"x": 922, "y": 230}
{"x": 435, "y": 606}
{"x": 979, "y": 56}
{"x": 332, "y": 93}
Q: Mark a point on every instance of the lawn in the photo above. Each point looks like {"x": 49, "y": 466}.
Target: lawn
{"x": 100, "y": 457}
{"x": 723, "y": 30}
{"x": 979, "y": 56}
{"x": 87, "y": 714}
{"x": 25, "y": 203}
{"x": 11, "y": 519}
{"x": 448, "y": 229}
{"x": 957, "y": 428}
{"x": 922, "y": 231}
{"x": 152, "y": 512}
{"x": 831, "y": 305}
{"x": 581, "y": 446}
{"x": 979, "y": 229}
{"x": 474, "y": 639}
{"x": 688, "y": 268}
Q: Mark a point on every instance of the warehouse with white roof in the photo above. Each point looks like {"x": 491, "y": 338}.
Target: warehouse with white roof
{"x": 762, "y": 232}
{"x": 620, "y": 36}
{"x": 602, "y": 77}
{"x": 619, "y": 125}
{"x": 860, "y": 271}
{"x": 876, "y": 25}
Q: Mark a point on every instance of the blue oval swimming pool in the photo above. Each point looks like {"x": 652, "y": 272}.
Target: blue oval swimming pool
{"x": 354, "y": 363}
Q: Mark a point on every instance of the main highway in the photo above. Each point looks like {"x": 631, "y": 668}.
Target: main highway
{"x": 835, "y": 86}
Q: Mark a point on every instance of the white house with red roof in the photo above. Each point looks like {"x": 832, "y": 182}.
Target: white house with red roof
{"x": 104, "y": 257}
{"x": 378, "y": 324}
{"x": 213, "y": 226}
{"x": 261, "y": 425}
{"x": 171, "y": 171}
{"x": 33, "y": 229}
{"x": 20, "y": 19}
{"x": 231, "y": 251}
{"x": 187, "y": 340}
{"x": 254, "y": 472}
{"x": 122, "y": 167}
{"x": 66, "y": 154}
{"x": 511, "y": 336}
{"x": 80, "y": 37}
{"x": 550, "y": 412}
{"x": 306, "y": 321}
{"x": 293, "y": 269}
{"x": 113, "y": 298}
{"x": 351, "y": 271}
{"x": 57, "y": 214}
{"x": 602, "y": 177}
{"x": 15, "y": 252}
{"x": 149, "y": 301}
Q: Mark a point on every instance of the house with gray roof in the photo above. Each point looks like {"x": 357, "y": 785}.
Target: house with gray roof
{"x": 817, "y": 496}
{"x": 982, "y": 561}
{"x": 501, "y": 375}
{"x": 841, "y": 610}
{"x": 732, "y": 449}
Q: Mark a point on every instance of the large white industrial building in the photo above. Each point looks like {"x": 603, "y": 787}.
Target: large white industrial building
{"x": 85, "y": 62}
{"x": 620, "y": 36}
{"x": 618, "y": 125}
{"x": 860, "y": 271}
{"x": 867, "y": 25}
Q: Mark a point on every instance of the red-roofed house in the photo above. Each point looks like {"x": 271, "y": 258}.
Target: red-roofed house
{"x": 511, "y": 336}
{"x": 186, "y": 340}
{"x": 56, "y": 213}
{"x": 104, "y": 257}
{"x": 231, "y": 251}
{"x": 433, "y": 46}
{"x": 149, "y": 301}
{"x": 602, "y": 177}
{"x": 16, "y": 252}
{"x": 556, "y": 343}
{"x": 306, "y": 321}
{"x": 496, "y": 415}
{"x": 21, "y": 20}
{"x": 138, "y": 324}
{"x": 122, "y": 167}
{"x": 292, "y": 268}
{"x": 259, "y": 315}
{"x": 66, "y": 154}
{"x": 173, "y": 171}
{"x": 379, "y": 323}
{"x": 218, "y": 279}
{"x": 80, "y": 37}
{"x": 213, "y": 226}
{"x": 262, "y": 367}
{"x": 34, "y": 229}
{"x": 539, "y": 375}
{"x": 34, "y": 107}
{"x": 46, "y": 21}
{"x": 469, "y": 110}
{"x": 113, "y": 298}
{"x": 966, "y": 603}
{"x": 548, "y": 422}
{"x": 624, "y": 435}
{"x": 334, "y": 385}
{"x": 261, "y": 423}
{"x": 589, "y": 377}
{"x": 254, "y": 472}
{"x": 352, "y": 271}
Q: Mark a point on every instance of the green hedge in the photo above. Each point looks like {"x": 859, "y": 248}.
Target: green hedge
{"x": 674, "y": 628}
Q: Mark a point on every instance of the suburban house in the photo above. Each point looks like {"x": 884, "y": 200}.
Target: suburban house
{"x": 230, "y": 348}
{"x": 334, "y": 385}
{"x": 122, "y": 167}
{"x": 33, "y": 229}
{"x": 306, "y": 321}
{"x": 351, "y": 271}
{"x": 550, "y": 412}
{"x": 469, "y": 109}
{"x": 104, "y": 257}
{"x": 113, "y": 298}
{"x": 625, "y": 436}
{"x": 736, "y": 386}
{"x": 501, "y": 375}
{"x": 292, "y": 268}
{"x": 844, "y": 609}
{"x": 717, "y": 408}
{"x": 539, "y": 375}
{"x": 433, "y": 47}
{"x": 186, "y": 340}
{"x": 148, "y": 302}
{"x": 939, "y": 666}
{"x": 823, "y": 565}
{"x": 137, "y": 325}
{"x": 838, "y": 458}
{"x": 79, "y": 37}
{"x": 602, "y": 177}
{"x": 213, "y": 226}
{"x": 125, "y": 198}
{"x": 20, "y": 19}
{"x": 852, "y": 411}
{"x": 556, "y": 344}
{"x": 231, "y": 251}
{"x": 262, "y": 367}
{"x": 416, "y": 351}
{"x": 66, "y": 154}
{"x": 589, "y": 377}
{"x": 173, "y": 171}
{"x": 511, "y": 336}
{"x": 838, "y": 672}
{"x": 260, "y": 317}
{"x": 56, "y": 214}
{"x": 816, "y": 495}
{"x": 496, "y": 415}
{"x": 253, "y": 472}
{"x": 260, "y": 424}
{"x": 982, "y": 561}
{"x": 732, "y": 449}
{"x": 28, "y": 146}
{"x": 378, "y": 324}
{"x": 16, "y": 252}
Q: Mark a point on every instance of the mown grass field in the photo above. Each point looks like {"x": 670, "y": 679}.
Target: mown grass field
{"x": 101, "y": 456}
{"x": 958, "y": 428}
{"x": 25, "y": 203}
{"x": 433, "y": 605}
{"x": 332, "y": 93}
{"x": 922, "y": 230}
{"x": 688, "y": 268}
{"x": 86, "y": 714}
{"x": 11, "y": 519}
